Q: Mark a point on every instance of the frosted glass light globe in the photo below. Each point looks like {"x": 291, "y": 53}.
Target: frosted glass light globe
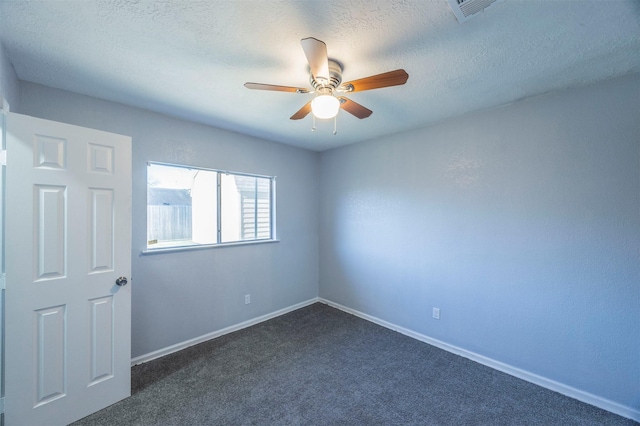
{"x": 325, "y": 106}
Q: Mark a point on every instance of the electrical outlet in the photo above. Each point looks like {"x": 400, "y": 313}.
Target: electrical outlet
{"x": 436, "y": 313}
{"x": 247, "y": 299}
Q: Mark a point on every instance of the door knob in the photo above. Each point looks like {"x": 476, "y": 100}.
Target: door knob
{"x": 122, "y": 281}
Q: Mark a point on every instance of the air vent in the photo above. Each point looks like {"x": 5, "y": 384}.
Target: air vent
{"x": 466, "y": 9}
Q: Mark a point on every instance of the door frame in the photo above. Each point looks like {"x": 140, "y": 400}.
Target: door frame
{"x": 4, "y": 110}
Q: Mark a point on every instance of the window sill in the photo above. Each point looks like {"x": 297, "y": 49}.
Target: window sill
{"x": 146, "y": 252}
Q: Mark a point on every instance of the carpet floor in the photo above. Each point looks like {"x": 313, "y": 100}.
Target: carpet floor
{"x": 321, "y": 366}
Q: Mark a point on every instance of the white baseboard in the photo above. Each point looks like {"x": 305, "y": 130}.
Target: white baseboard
{"x": 605, "y": 404}
{"x": 179, "y": 346}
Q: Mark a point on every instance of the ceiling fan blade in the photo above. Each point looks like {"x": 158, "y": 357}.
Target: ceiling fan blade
{"x": 354, "y": 108}
{"x": 302, "y": 112}
{"x": 316, "y": 53}
{"x": 260, "y": 86}
{"x": 391, "y": 78}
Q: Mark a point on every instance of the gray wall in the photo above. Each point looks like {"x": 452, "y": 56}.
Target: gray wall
{"x": 522, "y": 224}
{"x": 179, "y": 296}
{"x": 8, "y": 79}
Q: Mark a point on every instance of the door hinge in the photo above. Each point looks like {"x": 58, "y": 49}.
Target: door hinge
{"x": 3, "y": 157}
{"x": 2, "y": 405}
{"x": 3, "y": 281}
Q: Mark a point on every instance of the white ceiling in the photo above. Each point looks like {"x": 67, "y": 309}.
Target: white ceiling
{"x": 190, "y": 59}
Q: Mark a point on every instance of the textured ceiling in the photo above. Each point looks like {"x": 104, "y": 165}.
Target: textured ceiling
{"x": 190, "y": 59}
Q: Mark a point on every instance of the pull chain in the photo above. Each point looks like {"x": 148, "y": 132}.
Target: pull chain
{"x": 335, "y": 124}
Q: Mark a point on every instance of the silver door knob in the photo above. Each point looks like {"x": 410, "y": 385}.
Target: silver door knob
{"x": 122, "y": 281}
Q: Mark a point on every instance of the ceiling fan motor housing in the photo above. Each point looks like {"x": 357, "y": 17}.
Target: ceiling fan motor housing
{"x": 335, "y": 77}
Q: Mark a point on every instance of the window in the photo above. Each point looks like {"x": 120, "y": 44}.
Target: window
{"x": 190, "y": 206}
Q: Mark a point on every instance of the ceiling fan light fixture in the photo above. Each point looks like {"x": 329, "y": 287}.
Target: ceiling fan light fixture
{"x": 325, "y": 106}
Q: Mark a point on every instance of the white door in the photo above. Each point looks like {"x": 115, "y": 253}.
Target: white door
{"x": 68, "y": 239}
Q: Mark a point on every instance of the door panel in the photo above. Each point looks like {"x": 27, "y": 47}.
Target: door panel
{"x": 50, "y": 219}
{"x": 68, "y": 238}
{"x": 102, "y": 350}
{"x": 50, "y": 368}
{"x": 101, "y": 230}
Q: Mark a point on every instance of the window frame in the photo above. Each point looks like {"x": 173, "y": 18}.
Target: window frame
{"x": 219, "y": 243}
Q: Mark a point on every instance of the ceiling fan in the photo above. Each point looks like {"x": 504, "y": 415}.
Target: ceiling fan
{"x": 326, "y": 80}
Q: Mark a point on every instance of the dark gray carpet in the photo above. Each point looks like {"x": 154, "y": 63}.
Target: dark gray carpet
{"x": 321, "y": 366}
